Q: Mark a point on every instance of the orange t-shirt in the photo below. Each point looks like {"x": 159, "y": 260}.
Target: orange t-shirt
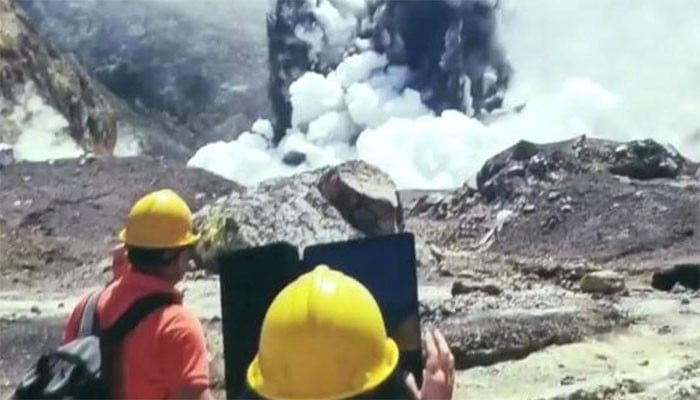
{"x": 164, "y": 354}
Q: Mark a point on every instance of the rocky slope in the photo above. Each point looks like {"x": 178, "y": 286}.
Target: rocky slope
{"x": 59, "y": 220}
{"x": 51, "y": 107}
{"x": 529, "y": 316}
{"x": 209, "y": 88}
{"x": 31, "y": 67}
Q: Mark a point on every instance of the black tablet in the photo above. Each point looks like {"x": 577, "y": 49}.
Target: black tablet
{"x": 250, "y": 279}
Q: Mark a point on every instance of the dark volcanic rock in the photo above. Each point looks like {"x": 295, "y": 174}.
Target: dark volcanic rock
{"x": 687, "y": 275}
{"x": 462, "y": 287}
{"x": 294, "y": 158}
{"x": 528, "y": 167}
{"x": 29, "y": 66}
{"x": 568, "y": 199}
{"x": 646, "y": 159}
{"x": 54, "y": 217}
{"x": 445, "y": 43}
{"x": 602, "y": 282}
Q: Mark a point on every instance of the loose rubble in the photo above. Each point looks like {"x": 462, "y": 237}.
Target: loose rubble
{"x": 578, "y": 198}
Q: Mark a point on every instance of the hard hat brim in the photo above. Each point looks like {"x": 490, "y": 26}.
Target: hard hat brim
{"x": 256, "y": 380}
{"x": 189, "y": 240}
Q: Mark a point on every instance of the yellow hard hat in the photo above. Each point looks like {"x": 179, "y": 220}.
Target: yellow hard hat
{"x": 323, "y": 338}
{"x": 159, "y": 220}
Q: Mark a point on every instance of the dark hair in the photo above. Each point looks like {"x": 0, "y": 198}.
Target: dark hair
{"x": 151, "y": 261}
{"x": 393, "y": 388}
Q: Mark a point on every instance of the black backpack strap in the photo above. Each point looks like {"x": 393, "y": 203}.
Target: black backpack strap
{"x": 134, "y": 315}
{"x": 89, "y": 317}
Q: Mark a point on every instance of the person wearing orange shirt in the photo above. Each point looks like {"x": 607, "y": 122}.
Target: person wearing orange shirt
{"x": 164, "y": 356}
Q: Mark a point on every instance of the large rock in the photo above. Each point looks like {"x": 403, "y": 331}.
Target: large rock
{"x": 330, "y": 204}
{"x": 291, "y": 209}
{"x": 31, "y": 67}
{"x": 603, "y": 282}
{"x": 527, "y": 167}
{"x": 686, "y": 275}
{"x": 365, "y": 196}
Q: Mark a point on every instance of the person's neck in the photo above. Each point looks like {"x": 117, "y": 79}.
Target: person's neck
{"x": 161, "y": 275}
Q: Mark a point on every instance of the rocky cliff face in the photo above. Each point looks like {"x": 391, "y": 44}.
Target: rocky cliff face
{"x": 200, "y": 66}
{"x": 32, "y": 70}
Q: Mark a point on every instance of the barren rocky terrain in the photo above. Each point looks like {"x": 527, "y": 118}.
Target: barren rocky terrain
{"x": 539, "y": 270}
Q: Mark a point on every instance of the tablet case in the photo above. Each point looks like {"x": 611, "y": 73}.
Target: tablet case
{"x": 251, "y": 278}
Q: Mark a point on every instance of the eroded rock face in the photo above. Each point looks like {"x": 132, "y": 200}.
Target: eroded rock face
{"x": 29, "y": 65}
{"x": 198, "y": 66}
{"x": 483, "y": 330}
{"x": 365, "y": 196}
